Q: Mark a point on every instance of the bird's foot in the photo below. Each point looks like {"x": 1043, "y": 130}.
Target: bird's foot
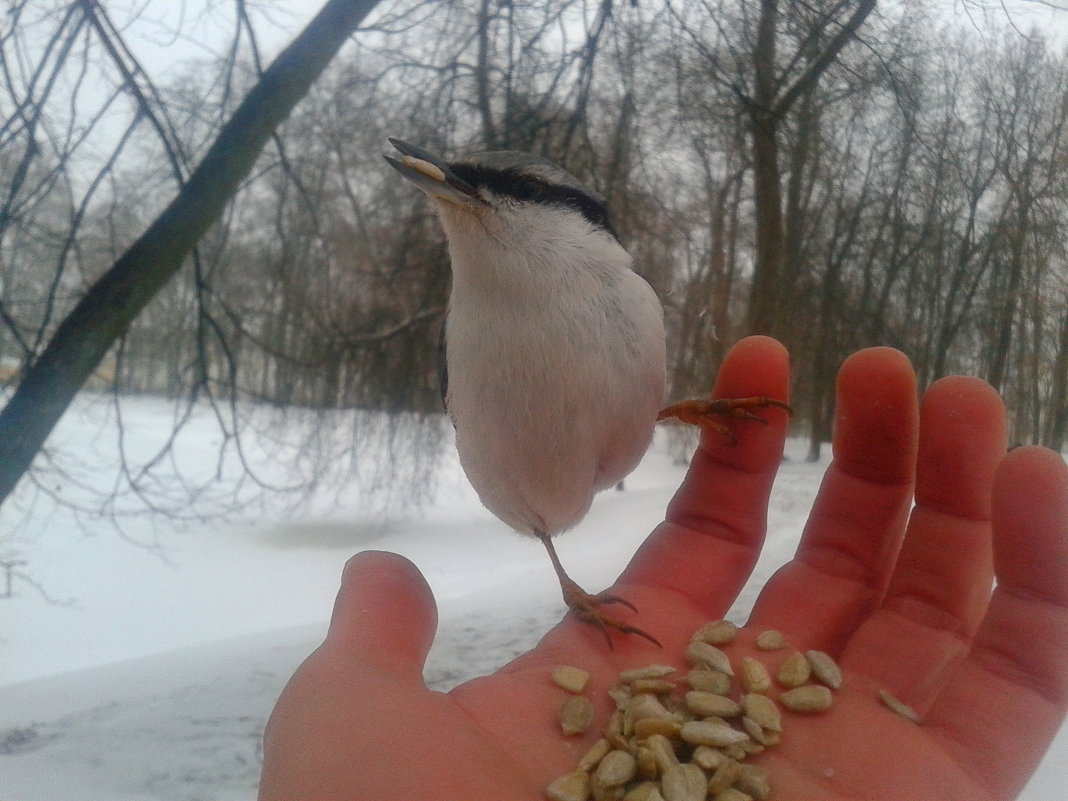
{"x": 588, "y": 608}
{"x": 703, "y": 412}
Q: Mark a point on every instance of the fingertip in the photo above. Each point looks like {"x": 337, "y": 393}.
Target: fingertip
{"x": 961, "y": 442}
{"x": 1030, "y": 515}
{"x": 1031, "y": 472}
{"x": 755, "y": 365}
{"x": 877, "y": 415}
{"x": 877, "y": 371}
{"x": 384, "y": 612}
{"x": 967, "y": 399}
{"x": 1029, "y": 462}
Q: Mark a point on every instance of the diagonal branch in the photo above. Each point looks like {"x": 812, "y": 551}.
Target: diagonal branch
{"x": 825, "y": 58}
{"x": 112, "y": 303}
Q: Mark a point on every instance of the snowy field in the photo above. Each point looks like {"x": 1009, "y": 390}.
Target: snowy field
{"x": 153, "y": 670}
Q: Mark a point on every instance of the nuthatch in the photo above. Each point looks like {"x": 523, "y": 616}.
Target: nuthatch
{"x": 553, "y": 347}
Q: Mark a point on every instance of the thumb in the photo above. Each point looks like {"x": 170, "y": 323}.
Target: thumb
{"x": 384, "y": 616}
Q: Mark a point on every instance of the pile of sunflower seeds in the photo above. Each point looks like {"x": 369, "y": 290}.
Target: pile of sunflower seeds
{"x": 687, "y": 738}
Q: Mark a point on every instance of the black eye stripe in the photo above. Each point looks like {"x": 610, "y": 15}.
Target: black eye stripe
{"x": 512, "y": 183}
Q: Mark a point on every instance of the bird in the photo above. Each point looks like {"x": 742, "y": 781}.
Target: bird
{"x": 553, "y": 350}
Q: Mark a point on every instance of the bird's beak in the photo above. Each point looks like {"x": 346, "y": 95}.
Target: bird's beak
{"x": 432, "y": 174}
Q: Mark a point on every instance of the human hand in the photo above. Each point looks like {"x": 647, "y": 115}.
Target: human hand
{"x": 911, "y": 613}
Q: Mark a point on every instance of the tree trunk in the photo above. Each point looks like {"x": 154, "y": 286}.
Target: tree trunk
{"x": 767, "y": 190}
{"x": 482, "y": 78}
{"x": 112, "y": 303}
{"x": 1058, "y": 409}
{"x": 769, "y": 104}
{"x": 1006, "y": 310}
{"x": 767, "y": 197}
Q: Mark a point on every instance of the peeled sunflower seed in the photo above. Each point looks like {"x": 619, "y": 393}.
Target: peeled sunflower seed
{"x": 594, "y": 755}
{"x": 770, "y": 640}
{"x": 647, "y": 672}
{"x": 705, "y": 704}
{"x": 613, "y": 729}
{"x": 616, "y": 769}
{"x": 704, "y": 732}
{"x": 573, "y": 786}
{"x": 718, "y": 632}
{"x": 750, "y": 747}
{"x": 794, "y": 670}
{"x": 653, "y": 750}
{"x": 647, "y": 727}
{"x": 754, "y": 780}
{"x": 732, "y": 794}
{"x": 684, "y": 782}
{"x": 763, "y": 711}
{"x": 735, "y": 752}
{"x": 646, "y": 791}
{"x": 723, "y": 777}
{"x": 699, "y": 653}
{"x": 825, "y": 669}
{"x": 576, "y": 714}
{"x": 707, "y": 757}
{"x": 898, "y": 707}
{"x": 641, "y": 707}
{"x": 647, "y": 767}
{"x": 663, "y": 751}
{"x": 809, "y": 698}
{"x": 758, "y": 734}
{"x": 755, "y": 676}
{"x": 598, "y": 792}
{"x": 709, "y": 681}
{"x": 655, "y": 686}
{"x": 572, "y": 679}
{"x": 425, "y": 167}
{"x": 621, "y": 694}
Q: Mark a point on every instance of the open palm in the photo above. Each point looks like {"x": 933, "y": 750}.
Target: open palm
{"x": 902, "y": 600}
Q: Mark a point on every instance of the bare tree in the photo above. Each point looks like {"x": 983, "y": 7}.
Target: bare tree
{"x": 107, "y": 309}
{"x": 832, "y": 174}
{"x": 769, "y": 82}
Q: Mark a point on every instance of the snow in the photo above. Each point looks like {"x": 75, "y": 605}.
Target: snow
{"x": 154, "y": 674}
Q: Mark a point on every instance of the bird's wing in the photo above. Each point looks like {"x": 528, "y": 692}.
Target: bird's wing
{"x": 443, "y": 366}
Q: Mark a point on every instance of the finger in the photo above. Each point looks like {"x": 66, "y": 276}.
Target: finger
{"x": 941, "y": 583}
{"x": 715, "y": 524}
{"x": 1006, "y": 700}
{"x": 384, "y": 616}
{"x": 843, "y": 562}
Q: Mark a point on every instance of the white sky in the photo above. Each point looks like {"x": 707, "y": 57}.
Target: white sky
{"x": 167, "y": 35}
{"x": 152, "y": 33}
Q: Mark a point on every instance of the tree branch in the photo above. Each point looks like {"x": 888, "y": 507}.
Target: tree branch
{"x": 825, "y": 58}
{"x": 112, "y": 303}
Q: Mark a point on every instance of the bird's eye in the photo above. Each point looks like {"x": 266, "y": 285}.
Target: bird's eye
{"x": 527, "y": 189}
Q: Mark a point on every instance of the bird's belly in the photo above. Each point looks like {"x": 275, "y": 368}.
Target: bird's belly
{"x": 539, "y": 432}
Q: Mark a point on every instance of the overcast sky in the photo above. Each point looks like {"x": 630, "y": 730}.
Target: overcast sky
{"x": 151, "y": 26}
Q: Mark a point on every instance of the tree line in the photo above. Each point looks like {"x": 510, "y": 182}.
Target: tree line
{"x": 833, "y": 173}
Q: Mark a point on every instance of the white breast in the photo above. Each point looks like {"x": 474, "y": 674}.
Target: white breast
{"x": 556, "y": 362}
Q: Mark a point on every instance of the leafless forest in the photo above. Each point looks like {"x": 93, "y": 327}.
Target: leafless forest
{"x": 835, "y": 173}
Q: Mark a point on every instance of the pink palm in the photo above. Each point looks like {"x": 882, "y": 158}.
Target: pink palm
{"x": 911, "y": 614}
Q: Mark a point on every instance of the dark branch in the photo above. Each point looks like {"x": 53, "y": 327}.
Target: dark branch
{"x": 111, "y": 305}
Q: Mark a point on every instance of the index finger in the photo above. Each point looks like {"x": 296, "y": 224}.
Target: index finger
{"x": 715, "y": 524}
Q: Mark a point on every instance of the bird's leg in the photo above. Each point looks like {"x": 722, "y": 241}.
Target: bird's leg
{"x": 703, "y": 412}
{"x": 587, "y": 607}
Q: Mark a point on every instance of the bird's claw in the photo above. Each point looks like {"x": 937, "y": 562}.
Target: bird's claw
{"x": 586, "y": 607}
{"x": 702, "y": 412}
{"x": 608, "y": 598}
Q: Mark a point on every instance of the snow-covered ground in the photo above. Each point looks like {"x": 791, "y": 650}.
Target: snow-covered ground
{"x": 153, "y": 674}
